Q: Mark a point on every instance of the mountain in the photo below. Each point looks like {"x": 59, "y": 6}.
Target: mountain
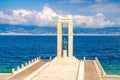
{"x": 6, "y": 28}
{"x": 22, "y": 29}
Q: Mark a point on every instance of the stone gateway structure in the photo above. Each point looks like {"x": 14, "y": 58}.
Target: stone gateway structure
{"x": 65, "y": 20}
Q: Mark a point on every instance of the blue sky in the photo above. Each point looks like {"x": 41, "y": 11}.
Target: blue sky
{"x": 86, "y": 11}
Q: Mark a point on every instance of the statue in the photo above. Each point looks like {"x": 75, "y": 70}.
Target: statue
{"x": 64, "y": 44}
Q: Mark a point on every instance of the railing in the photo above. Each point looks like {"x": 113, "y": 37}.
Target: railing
{"x": 28, "y": 64}
{"x": 24, "y": 66}
{"x": 100, "y": 66}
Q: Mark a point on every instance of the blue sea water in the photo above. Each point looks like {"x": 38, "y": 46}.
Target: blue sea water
{"x": 16, "y": 50}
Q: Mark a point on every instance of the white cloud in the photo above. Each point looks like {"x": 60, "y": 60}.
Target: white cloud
{"x": 48, "y": 17}
{"x": 99, "y": 1}
{"x": 75, "y": 1}
{"x": 79, "y": 1}
{"x": 97, "y": 20}
{"x": 104, "y": 8}
{"x": 100, "y": 8}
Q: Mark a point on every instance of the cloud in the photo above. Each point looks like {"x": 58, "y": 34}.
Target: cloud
{"x": 97, "y": 20}
{"x": 104, "y": 8}
{"x": 75, "y": 1}
{"x": 99, "y": 1}
{"x": 101, "y": 8}
{"x": 48, "y": 17}
{"x": 80, "y": 1}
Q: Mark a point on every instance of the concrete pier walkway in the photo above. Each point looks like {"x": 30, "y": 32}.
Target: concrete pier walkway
{"x": 5, "y": 76}
{"x": 22, "y": 75}
{"x": 61, "y": 69}
{"x": 90, "y": 71}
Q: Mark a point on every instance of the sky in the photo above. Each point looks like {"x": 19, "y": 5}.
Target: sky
{"x": 85, "y": 13}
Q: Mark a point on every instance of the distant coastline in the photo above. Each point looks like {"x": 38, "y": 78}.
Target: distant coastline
{"x": 22, "y": 34}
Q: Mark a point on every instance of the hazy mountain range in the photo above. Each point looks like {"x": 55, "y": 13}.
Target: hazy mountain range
{"x": 21, "y": 29}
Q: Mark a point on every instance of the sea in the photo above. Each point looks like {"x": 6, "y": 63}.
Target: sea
{"x": 16, "y": 50}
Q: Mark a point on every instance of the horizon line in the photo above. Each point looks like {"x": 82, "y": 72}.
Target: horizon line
{"x": 5, "y": 34}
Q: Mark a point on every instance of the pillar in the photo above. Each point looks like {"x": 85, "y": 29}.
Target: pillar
{"x": 70, "y": 39}
{"x": 18, "y": 68}
{"x": 84, "y": 58}
{"x": 22, "y": 66}
{"x": 13, "y": 70}
{"x": 59, "y": 39}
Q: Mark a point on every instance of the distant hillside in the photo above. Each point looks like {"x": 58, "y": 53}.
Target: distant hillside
{"x": 6, "y": 28}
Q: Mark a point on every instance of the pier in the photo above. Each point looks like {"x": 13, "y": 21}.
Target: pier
{"x": 64, "y": 66}
{"x": 22, "y": 75}
{"x": 90, "y": 71}
{"x": 55, "y": 70}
